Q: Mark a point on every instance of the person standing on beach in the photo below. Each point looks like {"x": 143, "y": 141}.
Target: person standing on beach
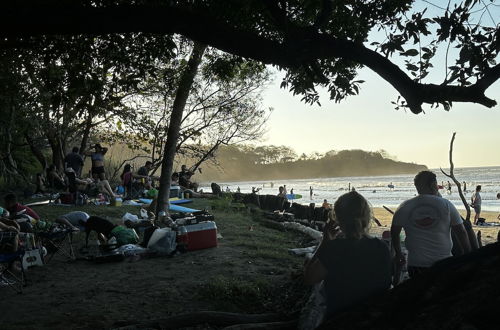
{"x": 310, "y": 192}
{"x": 449, "y": 188}
{"x": 465, "y": 187}
{"x": 498, "y": 217}
{"x": 476, "y": 203}
{"x": 428, "y": 220}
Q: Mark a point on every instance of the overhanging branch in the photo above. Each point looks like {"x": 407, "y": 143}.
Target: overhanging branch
{"x": 302, "y": 45}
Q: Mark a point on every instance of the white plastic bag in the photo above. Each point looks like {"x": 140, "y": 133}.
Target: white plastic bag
{"x": 130, "y": 217}
{"x": 162, "y": 241}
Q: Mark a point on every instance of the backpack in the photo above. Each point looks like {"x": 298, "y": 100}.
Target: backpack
{"x": 124, "y": 236}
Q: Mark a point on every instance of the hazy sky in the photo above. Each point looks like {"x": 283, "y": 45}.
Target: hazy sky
{"x": 370, "y": 122}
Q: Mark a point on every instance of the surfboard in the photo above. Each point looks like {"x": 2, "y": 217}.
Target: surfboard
{"x": 293, "y": 196}
{"x": 182, "y": 209}
{"x": 40, "y": 203}
{"x": 180, "y": 201}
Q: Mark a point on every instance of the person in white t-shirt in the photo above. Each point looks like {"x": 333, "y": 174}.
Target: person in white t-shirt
{"x": 428, "y": 220}
{"x": 476, "y": 203}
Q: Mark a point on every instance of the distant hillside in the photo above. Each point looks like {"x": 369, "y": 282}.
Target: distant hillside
{"x": 274, "y": 163}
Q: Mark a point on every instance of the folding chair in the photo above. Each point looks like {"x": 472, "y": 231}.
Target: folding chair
{"x": 58, "y": 242}
{"x": 8, "y": 277}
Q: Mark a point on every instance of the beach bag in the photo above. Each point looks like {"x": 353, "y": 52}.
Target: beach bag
{"x": 163, "y": 241}
{"x": 124, "y": 236}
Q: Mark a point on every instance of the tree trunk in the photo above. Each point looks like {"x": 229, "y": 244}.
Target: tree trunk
{"x": 57, "y": 152}
{"x": 35, "y": 150}
{"x": 181, "y": 97}
{"x": 86, "y": 132}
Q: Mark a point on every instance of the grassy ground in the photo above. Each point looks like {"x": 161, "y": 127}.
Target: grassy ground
{"x": 250, "y": 272}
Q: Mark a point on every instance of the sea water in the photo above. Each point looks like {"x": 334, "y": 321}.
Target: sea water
{"x": 376, "y": 188}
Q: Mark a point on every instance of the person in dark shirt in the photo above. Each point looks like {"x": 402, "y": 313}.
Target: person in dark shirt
{"x": 75, "y": 161}
{"x": 353, "y": 265}
{"x": 143, "y": 174}
{"x": 185, "y": 177}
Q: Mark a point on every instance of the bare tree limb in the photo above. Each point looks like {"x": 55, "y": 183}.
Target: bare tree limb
{"x": 451, "y": 175}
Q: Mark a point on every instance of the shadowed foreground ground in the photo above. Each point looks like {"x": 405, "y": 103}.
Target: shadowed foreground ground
{"x": 250, "y": 272}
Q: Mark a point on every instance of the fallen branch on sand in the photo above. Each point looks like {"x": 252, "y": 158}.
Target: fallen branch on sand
{"x": 313, "y": 233}
{"x": 221, "y": 319}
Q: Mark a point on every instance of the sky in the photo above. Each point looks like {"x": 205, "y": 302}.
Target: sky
{"x": 369, "y": 121}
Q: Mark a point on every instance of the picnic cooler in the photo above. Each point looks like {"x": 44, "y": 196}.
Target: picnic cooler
{"x": 202, "y": 235}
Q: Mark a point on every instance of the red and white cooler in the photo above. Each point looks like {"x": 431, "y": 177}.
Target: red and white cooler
{"x": 202, "y": 235}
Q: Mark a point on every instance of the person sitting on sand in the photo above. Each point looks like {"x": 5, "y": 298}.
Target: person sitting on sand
{"x": 143, "y": 175}
{"x": 15, "y": 208}
{"x": 55, "y": 181}
{"x": 428, "y": 220}
{"x": 76, "y": 184}
{"x": 353, "y": 265}
{"x": 40, "y": 184}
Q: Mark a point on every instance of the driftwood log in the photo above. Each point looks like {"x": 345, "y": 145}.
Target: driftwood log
{"x": 221, "y": 319}
{"x": 456, "y": 293}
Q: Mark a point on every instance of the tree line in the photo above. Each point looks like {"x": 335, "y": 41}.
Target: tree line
{"x": 244, "y": 162}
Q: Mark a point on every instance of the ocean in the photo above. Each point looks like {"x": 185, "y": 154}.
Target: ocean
{"x": 376, "y": 190}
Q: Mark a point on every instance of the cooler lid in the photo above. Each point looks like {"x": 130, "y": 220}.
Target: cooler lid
{"x": 204, "y": 225}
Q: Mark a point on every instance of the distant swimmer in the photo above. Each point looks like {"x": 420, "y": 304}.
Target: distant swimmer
{"x": 391, "y": 186}
{"x": 374, "y": 191}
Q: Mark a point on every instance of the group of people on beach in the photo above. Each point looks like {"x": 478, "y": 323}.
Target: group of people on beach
{"x": 355, "y": 266}
{"x": 71, "y": 180}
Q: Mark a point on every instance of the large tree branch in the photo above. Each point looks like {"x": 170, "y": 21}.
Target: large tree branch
{"x": 306, "y": 44}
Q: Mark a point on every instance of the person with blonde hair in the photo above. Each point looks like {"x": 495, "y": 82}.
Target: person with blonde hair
{"x": 353, "y": 265}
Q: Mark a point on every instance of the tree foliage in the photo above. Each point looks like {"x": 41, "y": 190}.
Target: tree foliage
{"x": 318, "y": 43}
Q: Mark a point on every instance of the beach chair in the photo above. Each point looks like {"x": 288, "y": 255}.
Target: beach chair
{"x": 9, "y": 278}
{"x": 58, "y": 242}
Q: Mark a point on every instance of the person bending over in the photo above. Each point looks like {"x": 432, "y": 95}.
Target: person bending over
{"x": 428, "y": 220}
{"x": 353, "y": 265}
